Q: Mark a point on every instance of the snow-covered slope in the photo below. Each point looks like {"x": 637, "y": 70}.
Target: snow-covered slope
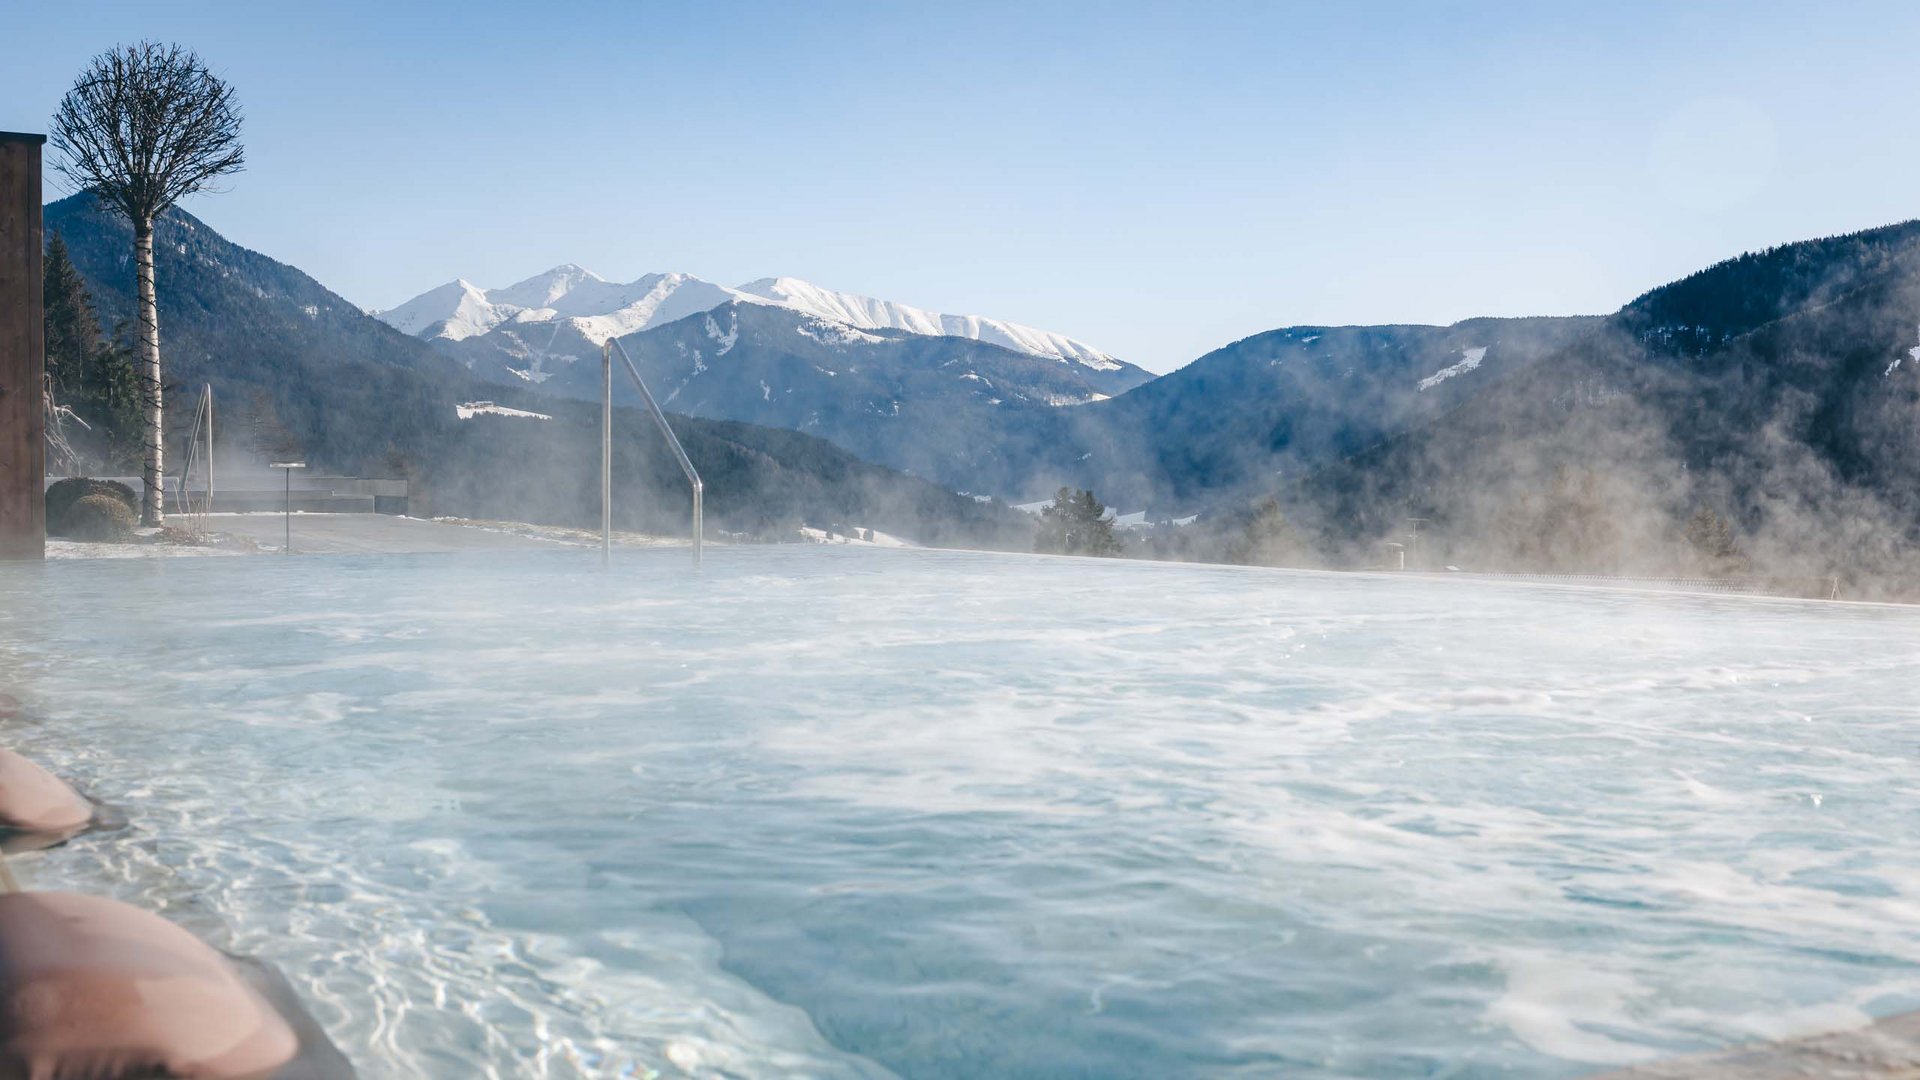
{"x": 868, "y": 313}
{"x": 596, "y": 307}
{"x": 600, "y": 309}
{"x": 456, "y": 311}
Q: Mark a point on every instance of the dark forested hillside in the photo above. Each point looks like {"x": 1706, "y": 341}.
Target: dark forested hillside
{"x": 1261, "y": 411}
{"x": 289, "y": 357}
{"x": 910, "y": 401}
{"x": 981, "y": 418}
{"x": 964, "y": 413}
{"x": 1711, "y": 307}
{"x": 1776, "y": 391}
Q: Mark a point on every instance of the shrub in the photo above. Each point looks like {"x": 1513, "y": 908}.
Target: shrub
{"x": 100, "y": 518}
{"x": 62, "y": 495}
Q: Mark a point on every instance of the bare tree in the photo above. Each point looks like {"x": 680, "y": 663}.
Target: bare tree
{"x": 144, "y": 126}
{"x": 62, "y": 458}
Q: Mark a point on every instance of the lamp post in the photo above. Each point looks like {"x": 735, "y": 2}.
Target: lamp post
{"x": 287, "y": 507}
{"x": 1413, "y": 538}
{"x": 606, "y": 450}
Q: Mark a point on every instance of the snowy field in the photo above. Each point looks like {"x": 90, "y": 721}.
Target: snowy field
{"x": 840, "y": 811}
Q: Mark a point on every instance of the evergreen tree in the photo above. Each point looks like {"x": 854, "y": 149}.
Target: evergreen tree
{"x": 110, "y": 390}
{"x": 1711, "y": 547}
{"x": 1269, "y": 539}
{"x": 1571, "y": 527}
{"x": 1075, "y": 524}
{"x": 268, "y": 437}
{"x": 89, "y": 375}
{"x": 73, "y": 332}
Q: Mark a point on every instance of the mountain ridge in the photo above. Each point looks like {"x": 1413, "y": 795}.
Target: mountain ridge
{"x": 600, "y": 309}
{"x": 1774, "y": 390}
{"x": 1779, "y": 389}
{"x": 291, "y": 360}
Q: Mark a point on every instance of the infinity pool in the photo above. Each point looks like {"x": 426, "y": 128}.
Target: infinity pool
{"x": 839, "y": 812}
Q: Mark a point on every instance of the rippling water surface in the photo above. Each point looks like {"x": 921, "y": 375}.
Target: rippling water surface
{"x": 854, "y": 813}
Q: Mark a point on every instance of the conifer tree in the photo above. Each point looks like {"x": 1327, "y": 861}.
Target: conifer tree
{"x": 73, "y": 332}
{"x": 1268, "y": 540}
{"x": 1075, "y": 524}
{"x": 1711, "y": 546}
{"x": 89, "y": 375}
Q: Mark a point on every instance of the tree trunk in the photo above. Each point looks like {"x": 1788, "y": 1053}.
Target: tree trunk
{"x": 152, "y": 506}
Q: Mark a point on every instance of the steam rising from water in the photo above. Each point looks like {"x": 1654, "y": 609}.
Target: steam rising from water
{"x": 838, "y": 813}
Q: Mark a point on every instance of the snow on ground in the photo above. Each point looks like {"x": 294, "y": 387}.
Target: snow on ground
{"x": 471, "y": 409}
{"x": 261, "y": 532}
{"x": 1471, "y": 361}
{"x": 878, "y": 539}
{"x": 154, "y": 543}
{"x": 79, "y": 549}
{"x": 1138, "y": 519}
{"x": 726, "y": 340}
{"x": 1914, "y": 353}
{"x": 827, "y": 332}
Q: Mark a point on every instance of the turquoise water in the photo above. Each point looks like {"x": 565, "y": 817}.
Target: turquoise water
{"x": 840, "y": 812}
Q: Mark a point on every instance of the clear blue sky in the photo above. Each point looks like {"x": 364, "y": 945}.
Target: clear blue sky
{"x": 1158, "y": 179}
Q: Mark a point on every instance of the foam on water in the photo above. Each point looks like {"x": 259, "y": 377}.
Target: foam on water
{"x": 845, "y": 813}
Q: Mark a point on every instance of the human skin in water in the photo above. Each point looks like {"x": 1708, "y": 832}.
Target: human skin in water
{"x": 97, "y": 988}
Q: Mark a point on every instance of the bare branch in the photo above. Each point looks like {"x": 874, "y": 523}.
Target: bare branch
{"x": 145, "y": 126}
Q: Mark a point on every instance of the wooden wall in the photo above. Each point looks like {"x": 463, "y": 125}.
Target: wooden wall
{"x": 23, "y": 440}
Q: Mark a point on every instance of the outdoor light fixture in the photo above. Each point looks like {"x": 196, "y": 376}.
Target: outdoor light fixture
{"x": 288, "y": 505}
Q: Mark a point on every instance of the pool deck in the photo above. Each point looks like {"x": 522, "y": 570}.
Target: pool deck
{"x": 1885, "y": 1050}
{"x": 371, "y": 534}
{"x": 261, "y": 533}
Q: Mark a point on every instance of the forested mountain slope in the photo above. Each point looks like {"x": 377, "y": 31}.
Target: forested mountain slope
{"x": 292, "y": 362}
{"x": 1777, "y": 390}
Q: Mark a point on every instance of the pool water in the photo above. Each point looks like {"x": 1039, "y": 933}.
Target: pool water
{"x": 837, "y": 812}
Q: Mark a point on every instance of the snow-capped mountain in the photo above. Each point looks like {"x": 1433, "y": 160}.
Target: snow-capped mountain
{"x": 870, "y": 391}
{"x": 867, "y": 313}
{"x": 599, "y": 309}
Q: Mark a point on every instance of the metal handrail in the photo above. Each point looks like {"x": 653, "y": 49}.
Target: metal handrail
{"x": 202, "y": 425}
{"x": 606, "y": 449}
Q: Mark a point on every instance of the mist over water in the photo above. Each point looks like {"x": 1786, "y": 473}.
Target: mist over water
{"x": 852, "y": 813}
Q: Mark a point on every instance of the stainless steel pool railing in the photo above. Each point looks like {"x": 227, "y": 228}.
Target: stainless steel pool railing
{"x": 199, "y": 454}
{"x": 606, "y": 449}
